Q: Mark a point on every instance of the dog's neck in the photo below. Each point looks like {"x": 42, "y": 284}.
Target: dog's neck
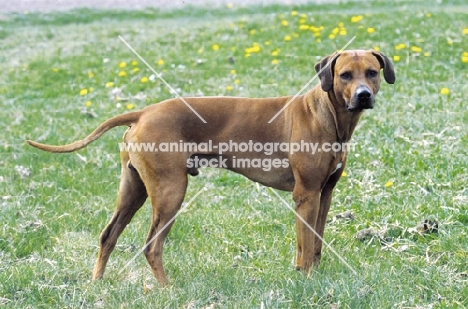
{"x": 341, "y": 121}
{"x": 345, "y": 120}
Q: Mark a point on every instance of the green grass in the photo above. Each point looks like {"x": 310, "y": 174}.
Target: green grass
{"x": 234, "y": 246}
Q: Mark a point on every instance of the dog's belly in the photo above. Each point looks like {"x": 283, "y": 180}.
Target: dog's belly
{"x": 270, "y": 171}
{"x": 281, "y": 179}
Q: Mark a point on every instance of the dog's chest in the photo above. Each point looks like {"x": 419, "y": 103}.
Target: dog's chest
{"x": 338, "y": 166}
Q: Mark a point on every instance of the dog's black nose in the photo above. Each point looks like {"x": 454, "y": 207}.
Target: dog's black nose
{"x": 363, "y": 98}
{"x": 363, "y": 93}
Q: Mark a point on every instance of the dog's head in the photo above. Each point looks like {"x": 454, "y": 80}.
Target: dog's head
{"x": 354, "y": 76}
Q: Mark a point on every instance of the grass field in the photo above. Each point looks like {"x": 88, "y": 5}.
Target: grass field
{"x": 64, "y": 73}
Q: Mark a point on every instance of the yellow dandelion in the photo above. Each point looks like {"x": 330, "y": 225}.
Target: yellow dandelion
{"x": 84, "y": 91}
{"x": 400, "y": 46}
{"x": 247, "y": 55}
{"x": 389, "y": 184}
{"x": 449, "y": 42}
{"x": 134, "y": 63}
{"x": 233, "y": 72}
{"x": 287, "y": 38}
{"x": 130, "y": 106}
{"x": 144, "y": 79}
{"x": 341, "y": 24}
{"x": 344, "y": 174}
{"x": 134, "y": 70}
{"x": 228, "y": 88}
{"x": 444, "y": 91}
{"x": 274, "y": 53}
{"x": 465, "y": 57}
{"x": 294, "y": 13}
{"x": 356, "y": 19}
{"x": 233, "y": 48}
{"x": 215, "y": 47}
{"x": 304, "y": 27}
{"x": 122, "y": 74}
{"x": 331, "y": 36}
{"x": 55, "y": 70}
{"x": 237, "y": 81}
{"x": 122, "y": 64}
{"x": 396, "y": 58}
{"x": 109, "y": 84}
{"x": 302, "y": 21}
{"x": 88, "y": 103}
{"x": 303, "y": 15}
{"x": 160, "y": 62}
{"x": 428, "y": 14}
{"x": 90, "y": 74}
{"x": 370, "y": 30}
{"x": 335, "y": 31}
{"x": 426, "y": 54}
{"x": 343, "y": 32}
{"x": 91, "y": 89}
{"x": 377, "y": 48}
{"x": 252, "y": 32}
{"x": 254, "y": 49}
{"x": 416, "y": 49}
{"x": 465, "y": 31}
{"x": 200, "y": 50}
{"x": 274, "y": 61}
{"x": 284, "y": 23}
{"x": 267, "y": 43}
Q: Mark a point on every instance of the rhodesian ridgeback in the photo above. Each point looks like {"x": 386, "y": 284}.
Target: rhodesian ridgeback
{"x": 325, "y": 115}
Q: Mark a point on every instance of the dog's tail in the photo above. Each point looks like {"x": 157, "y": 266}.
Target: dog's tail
{"x": 121, "y": 120}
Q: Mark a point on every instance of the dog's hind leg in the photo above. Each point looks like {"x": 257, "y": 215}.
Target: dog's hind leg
{"x": 166, "y": 203}
{"x": 166, "y": 181}
{"x": 132, "y": 195}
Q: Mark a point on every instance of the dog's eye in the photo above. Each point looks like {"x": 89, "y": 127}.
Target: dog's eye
{"x": 346, "y": 76}
{"x": 372, "y": 73}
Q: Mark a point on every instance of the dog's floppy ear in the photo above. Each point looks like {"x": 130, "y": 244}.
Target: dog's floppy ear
{"x": 324, "y": 69}
{"x": 386, "y": 65}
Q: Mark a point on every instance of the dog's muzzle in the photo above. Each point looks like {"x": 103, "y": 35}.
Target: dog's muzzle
{"x": 363, "y": 99}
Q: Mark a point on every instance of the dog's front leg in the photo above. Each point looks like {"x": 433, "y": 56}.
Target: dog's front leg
{"x": 325, "y": 201}
{"x": 307, "y": 208}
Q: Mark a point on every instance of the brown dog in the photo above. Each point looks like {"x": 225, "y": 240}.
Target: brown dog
{"x": 325, "y": 115}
